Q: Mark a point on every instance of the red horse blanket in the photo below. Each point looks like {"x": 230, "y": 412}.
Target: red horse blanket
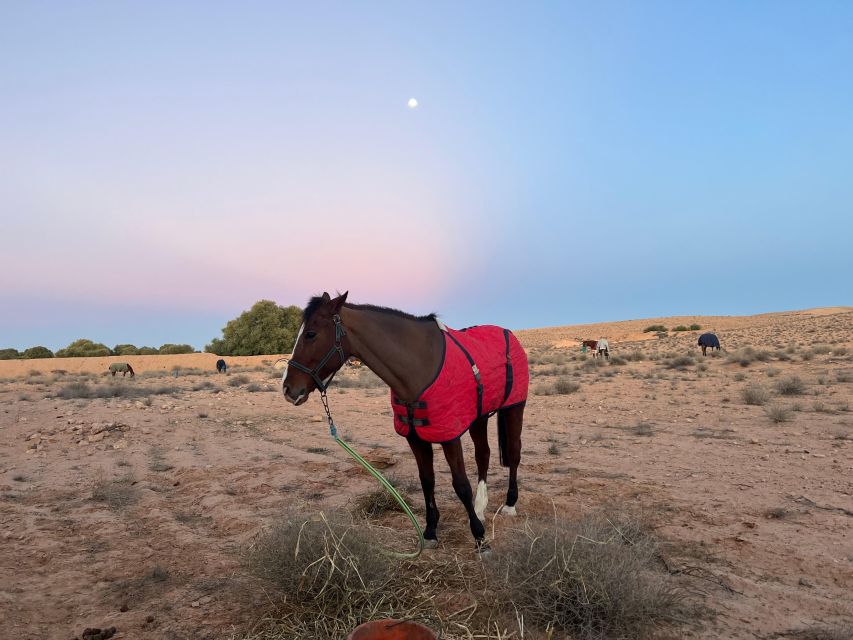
{"x": 484, "y": 369}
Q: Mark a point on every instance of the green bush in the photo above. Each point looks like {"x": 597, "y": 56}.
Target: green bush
{"x": 695, "y": 327}
{"x": 84, "y": 348}
{"x": 266, "y": 328}
{"x": 171, "y": 349}
{"x": 654, "y": 327}
{"x": 37, "y": 352}
{"x": 148, "y": 351}
{"x": 125, "y": 350}
{"x": 680, "y": 327}
{"x": 9, "y": 354}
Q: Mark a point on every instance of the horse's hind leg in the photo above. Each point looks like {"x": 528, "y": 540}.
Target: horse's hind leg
{"x": 481, "y": 454}
{"x": 462, "y": 487}
{"x": 510, "y": 422}
{"x": 423, "y": 456}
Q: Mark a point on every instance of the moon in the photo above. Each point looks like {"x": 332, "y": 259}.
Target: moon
{"x": 413, "y": 103}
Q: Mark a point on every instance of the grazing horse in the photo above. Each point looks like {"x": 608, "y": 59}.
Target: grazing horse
{"x": 443, "y": 382}
{"x": 591, "y": 345}
{"x": 603, "y": 348}
{"x": 707, "y": 340}
{"x": 122, "y": 367}
{"x": 221, "y": 367}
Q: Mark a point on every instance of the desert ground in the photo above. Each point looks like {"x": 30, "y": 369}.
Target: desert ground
{"x": 129, "y": 502}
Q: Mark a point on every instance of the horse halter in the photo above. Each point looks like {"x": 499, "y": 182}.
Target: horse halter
{"x": 336, "y": 348}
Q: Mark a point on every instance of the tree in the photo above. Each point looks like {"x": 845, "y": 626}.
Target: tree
{"x": 148, "y": 351}
{"x": 169, "y": 349}
{"x": 37, "y": 352}
{"x": 266, "y": 328}
{"x": 9, "y": 354}
{"x": 125, "y": 350}
{"x": 84, "y": 348}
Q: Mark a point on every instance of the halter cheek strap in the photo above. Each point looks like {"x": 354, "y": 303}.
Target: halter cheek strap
{"x": 336, "y": 348}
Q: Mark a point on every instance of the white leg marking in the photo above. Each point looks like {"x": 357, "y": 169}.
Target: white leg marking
{"x": 508, "y": 510}
{"x": 430, "y": 544}
{"x": 481, "y": 501}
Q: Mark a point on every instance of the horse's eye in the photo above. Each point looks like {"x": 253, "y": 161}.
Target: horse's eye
{"x": 310, "y": 334}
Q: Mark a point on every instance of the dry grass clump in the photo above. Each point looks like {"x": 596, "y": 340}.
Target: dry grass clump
{"x": 839, "y": 632}
{"x": 596, "y": 577}
{"x": 747, "y": 355}
{"x": 363, "y": 379}
{"x": 236, "y": 381}
{"x": 117, "y": 493}
{"x": 379, "y": 502}
{"x": 74, "y": 390}
{"x": 790, "y": 386}
{"x": 679, "y": 363}
{"x": 844, "y": 376}
{"x": 755, "y": 394}
{"x": 778, "y": 414}
{"x": 560, "y": 387}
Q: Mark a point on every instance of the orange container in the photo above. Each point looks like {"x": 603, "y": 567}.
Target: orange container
{"x": 391, "y": 630}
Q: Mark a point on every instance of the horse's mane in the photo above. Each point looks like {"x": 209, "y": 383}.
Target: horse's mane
{"x": 317, "y": 301}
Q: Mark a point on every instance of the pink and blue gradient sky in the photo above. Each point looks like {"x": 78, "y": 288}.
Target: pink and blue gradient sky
{"x": 165, "y": 165}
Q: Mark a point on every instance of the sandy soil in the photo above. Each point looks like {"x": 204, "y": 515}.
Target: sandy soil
{"x": 762, "y": 511}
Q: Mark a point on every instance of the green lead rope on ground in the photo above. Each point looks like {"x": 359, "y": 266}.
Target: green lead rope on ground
{"x": 333, "y": 431}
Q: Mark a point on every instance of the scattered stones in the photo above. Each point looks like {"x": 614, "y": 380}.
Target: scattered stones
{"x": 98, "y": 633}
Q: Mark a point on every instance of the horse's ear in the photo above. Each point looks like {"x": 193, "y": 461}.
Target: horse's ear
{"x": 338, "y": 302}
{"x": 326, "y": 297}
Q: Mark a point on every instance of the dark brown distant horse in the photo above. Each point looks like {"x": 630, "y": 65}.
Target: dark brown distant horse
{"x": 591, "y": 345}
{"x": 410, "y": 354}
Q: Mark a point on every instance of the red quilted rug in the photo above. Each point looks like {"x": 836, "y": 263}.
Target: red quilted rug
{"x": 451, "y": 403}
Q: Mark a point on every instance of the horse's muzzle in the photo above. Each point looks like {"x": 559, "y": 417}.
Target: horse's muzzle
{"x": 294, "y": 399}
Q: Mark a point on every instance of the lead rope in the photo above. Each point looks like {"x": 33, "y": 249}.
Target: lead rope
{"x": 333, "y": 431}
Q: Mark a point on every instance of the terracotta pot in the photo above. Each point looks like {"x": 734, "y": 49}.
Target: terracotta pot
{"x": 391, "y": 630}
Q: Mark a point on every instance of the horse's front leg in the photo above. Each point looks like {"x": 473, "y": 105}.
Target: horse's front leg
{"x": 426, "y": 472}
{"x": 462, "y": 486}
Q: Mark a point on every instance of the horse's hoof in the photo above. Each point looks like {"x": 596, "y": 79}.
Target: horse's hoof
{"x": 508, "y": 510}
{"x": 430, "y": 543}
{"x": 482, "y": 549}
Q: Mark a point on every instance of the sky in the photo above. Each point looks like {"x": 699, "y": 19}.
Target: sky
{"x": 165, "y": 165}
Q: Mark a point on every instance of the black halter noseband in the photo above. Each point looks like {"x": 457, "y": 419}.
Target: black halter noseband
{"x": 336, "y": 348}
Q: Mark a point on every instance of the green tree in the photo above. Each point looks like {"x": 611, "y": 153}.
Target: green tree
{"x": 266, "y": 328}
{"x": 125, "y": 350}
{"x": 37, "y": 352}
{"x": 84, "y": 348}
{"x": 169, "y": 349}
{"x": 148, "y": 351}
{"x": 9, "y": 354}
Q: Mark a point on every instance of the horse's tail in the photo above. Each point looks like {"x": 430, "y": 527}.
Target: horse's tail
{"x": 502, "y": 437}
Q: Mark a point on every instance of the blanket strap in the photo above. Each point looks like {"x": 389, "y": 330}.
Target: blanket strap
{"x": 476, "y": 372}
{"x": 509, "y": 374}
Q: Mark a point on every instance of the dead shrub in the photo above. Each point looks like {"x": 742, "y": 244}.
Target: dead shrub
{"x": 790, "y": 386}
{"x": 560, "y": 387}
{"x": 778, "y": 413}
{"x": 596, "y": 577}
{"x": 236, "y": 381}
{"x": 117, "y": 493}
{"x": 379, "y": 502}
{"x": 755, "y": 394}
{"x": 363, "y": 379}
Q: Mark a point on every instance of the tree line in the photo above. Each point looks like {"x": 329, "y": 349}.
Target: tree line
{"x": 267, "y": 328}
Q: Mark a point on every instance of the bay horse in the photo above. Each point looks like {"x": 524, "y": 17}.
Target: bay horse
{"x": 121, "y": 367}
{"x": 443, "y": 382}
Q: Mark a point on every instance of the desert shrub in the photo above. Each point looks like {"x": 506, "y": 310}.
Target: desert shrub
{"x": 633, "y": 356}
{"x": 75, "y": 390}
{"x": 266, "y": 328}
{"x": 117, "y": 493}
{"x": 78, "y": 389}
{"x": 680, "y": 327}
{"x": 363, "y": 379}
{"x": 236, "y": 381}
{"x": 560, "y": 387}
{"x": 255, "y": 388}
{"x": 9, "y": 354}
{"x": 679, "y": 362}
{"x": 778, "y": 413}
{"x": 755, "y": 394}
{"x": 173, "y": 349}
{"x": 657, "y": 328}
{"x": 821, "y": 349}
{"x": 125, "y": 350}
{"x": 695, "y": 327}
{"x": 844, "y": 376}
{"x": 594, "y": 578}
{"x": 618, "y": 361}
{"x": 378, "y": 502}
{"x": 204, "y": 384}
{"x": 790, "y": 386}
{"x": 37, "y": 352}
{"x": 84, "y": 348}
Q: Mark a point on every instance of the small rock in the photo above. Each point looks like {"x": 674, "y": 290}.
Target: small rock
{"x": 121, "y": 444}
{"x": 123, "y": 607}
{"x": 97, "y": 437}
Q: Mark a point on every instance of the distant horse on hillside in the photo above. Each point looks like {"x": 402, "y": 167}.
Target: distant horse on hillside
{"x": 707, "y": 340}
{"x": 603, "y": 348}
{"x": 123, "y": 367}
{"x": 443, "y": 383}
{"x": 590, "y": 344}
{"x": 221, "y": 367}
